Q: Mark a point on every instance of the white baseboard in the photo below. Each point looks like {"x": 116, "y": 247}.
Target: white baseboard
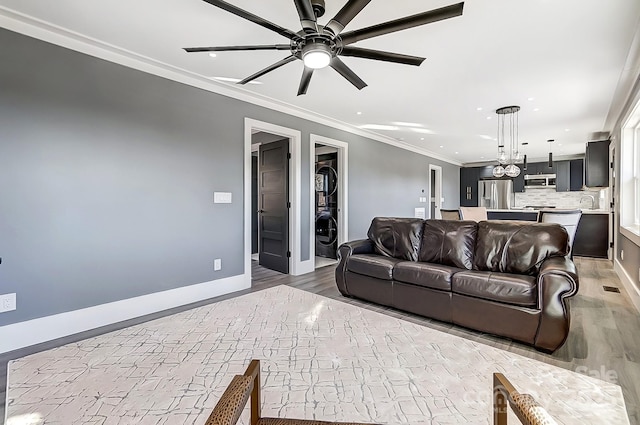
{"x": 36, "y": 331}
{"x": 627, "y": 282}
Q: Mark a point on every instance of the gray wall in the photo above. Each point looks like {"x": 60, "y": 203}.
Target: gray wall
{"x": 108, "y": 176}
{"x": 631, "y": 262}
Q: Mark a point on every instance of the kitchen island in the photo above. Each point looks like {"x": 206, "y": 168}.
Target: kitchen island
{"x": 592, "y": 234}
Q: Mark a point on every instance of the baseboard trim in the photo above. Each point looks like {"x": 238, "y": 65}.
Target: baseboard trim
{"x": 627, "y": 282}
{"x": 36, "y": 331}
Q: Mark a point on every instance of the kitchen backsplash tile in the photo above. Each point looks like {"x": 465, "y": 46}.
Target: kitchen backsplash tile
{"x": 568, "y": 200}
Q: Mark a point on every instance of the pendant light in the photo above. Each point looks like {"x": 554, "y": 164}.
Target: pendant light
{"x": 524, "y": 163}
{"x": 507, "y": 140}
{"x": 550, "y": 153}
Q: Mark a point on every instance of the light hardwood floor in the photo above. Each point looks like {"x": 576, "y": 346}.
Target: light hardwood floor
{"x": 604, "y": 340}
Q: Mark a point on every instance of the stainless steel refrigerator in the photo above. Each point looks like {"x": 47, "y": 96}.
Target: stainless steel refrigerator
{"x": 496, "y": 194}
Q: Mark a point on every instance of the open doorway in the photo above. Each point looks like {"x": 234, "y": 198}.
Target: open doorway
{"x": 270, "y": 201}
{"x": 296, "y": 265}
{"x": 329, "y": 174}
{"x": 435, "y": 191}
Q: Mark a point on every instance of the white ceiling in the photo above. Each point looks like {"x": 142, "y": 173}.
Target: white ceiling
{"x": 560, "y": 60}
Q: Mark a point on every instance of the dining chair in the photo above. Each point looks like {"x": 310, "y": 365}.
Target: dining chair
{"x": 569, "y": 219}
{"x": 473, "y": 213}
{"x": 450, "y": 214}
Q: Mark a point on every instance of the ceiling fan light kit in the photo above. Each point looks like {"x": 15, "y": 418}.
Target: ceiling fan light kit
{"x": 320, "y": 46}
{"x": 316, "y": 55}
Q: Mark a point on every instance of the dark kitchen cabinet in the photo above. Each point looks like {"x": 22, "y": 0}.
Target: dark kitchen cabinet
{"x": 576, "y": 174}
{"x": 596, "y": 164}
{"x": 469, "y": 178}
{"x": 486, "y": 172}
{"x": 518, "y": 182}
{"x": 563, "y": 176}
{"x": 592, "y": 236}
{"x": 540, "y": 168}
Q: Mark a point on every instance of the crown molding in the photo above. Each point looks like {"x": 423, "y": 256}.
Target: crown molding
{"x": 42, "y": 30}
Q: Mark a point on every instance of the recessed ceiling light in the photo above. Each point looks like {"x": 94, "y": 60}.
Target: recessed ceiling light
{"x": 359, "y": 113}
{"x": 422, "y": 138}
{"x": 213, "y": 55}
{"x": 530, "y": 99}
{"x": 488, "y": 118}
{"x": 536, "y": 109}
{"x": 379, "y": 127}
{"x": 482, "y": 157}
{"x": 560, "y": 144}
{"x": 423, "y": 130}
{"x": 407, "y": 124}
{"x": 567, "y": 129}
{"x": 456, "y": 153}
{"x": 235, "y": 80}
{"x": 479, "y": 108}
{"x": 484, "y": 136}
{"x": 442, "y": 146}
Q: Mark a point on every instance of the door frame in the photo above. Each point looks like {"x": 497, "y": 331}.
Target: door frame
{"x": 343, "y": 189}
{"x": 296, "y": 265}
{"x": 438, "y": 192}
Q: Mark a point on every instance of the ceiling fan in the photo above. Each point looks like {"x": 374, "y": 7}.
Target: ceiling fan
{"x": 319, "y": 46}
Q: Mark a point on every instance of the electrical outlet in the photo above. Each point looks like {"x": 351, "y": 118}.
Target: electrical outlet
{"x": 217, "y": 264}
{"x": 7, "y": 302}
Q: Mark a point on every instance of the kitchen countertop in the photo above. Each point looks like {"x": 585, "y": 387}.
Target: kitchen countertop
{"x": 526, "y": 210}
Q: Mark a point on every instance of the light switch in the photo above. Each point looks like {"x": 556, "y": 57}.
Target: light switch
{"x": 221, "y": 197}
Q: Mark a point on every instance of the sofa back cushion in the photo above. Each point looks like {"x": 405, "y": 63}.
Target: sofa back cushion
{"x": 449, "y": 242}
{"x": 518, "y": 247}
{"x": 396, "y": 237}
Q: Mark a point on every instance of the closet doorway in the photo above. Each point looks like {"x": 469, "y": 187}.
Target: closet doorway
{"x": 328, "y": 196}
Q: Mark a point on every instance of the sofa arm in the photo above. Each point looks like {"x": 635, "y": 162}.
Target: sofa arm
{"x": 362, "y": 246}
{"x": 557, "y": 281}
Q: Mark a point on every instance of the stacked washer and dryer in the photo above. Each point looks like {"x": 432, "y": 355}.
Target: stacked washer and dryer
{"x": 326, "y": 188}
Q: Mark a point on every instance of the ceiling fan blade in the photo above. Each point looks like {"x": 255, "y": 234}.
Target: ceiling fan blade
{"x": 345, "y": 15}
{"x": 307, "y": 16}
{"x": 304, "y": 81}
{"x": 236, "y": 48}
{"x": 381, "y": 56}
{"x": 253, "y": 18}
{"x": 268, "y": 69}
{"x": 347, "y": 73}
{"x": 403, "y": 23}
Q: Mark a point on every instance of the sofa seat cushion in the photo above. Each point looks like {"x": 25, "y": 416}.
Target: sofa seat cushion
{"x": 372, "y": 265}
{"x": 428, "y": 275}
{"x": 520, "y": 290}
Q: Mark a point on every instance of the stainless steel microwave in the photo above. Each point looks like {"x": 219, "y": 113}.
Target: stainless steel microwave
{"x": 539, "y": 181}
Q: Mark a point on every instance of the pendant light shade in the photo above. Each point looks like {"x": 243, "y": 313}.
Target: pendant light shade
{"x": 524, "y": 163}
{"x": 508, "y": 152}
{"x": 550, "y": 153}
{"x": 498, "y": 171}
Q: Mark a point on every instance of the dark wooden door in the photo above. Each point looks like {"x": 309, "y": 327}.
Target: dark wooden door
{"x": 273, "y": 205}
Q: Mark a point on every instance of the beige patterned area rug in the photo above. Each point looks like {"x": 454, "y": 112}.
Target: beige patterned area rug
{"x": 321, "y": 359}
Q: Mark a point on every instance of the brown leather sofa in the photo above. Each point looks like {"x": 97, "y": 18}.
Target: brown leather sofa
{"x": 501, "y": 277}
